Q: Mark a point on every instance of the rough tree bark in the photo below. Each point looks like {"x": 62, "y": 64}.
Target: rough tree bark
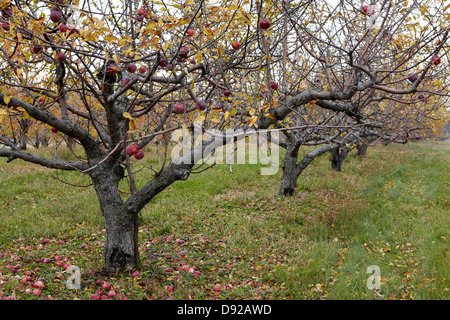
{"x": 24, "y": 127}
{"x": 119, "y": 246}
{"x": 338, "y": 156}
{"x": 289, "y": 179}
{"x": 292, "y": 170}
{"x": 361, "y": 149}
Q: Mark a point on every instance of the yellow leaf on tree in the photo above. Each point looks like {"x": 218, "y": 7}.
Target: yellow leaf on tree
{"x": 122, "y": 42}
{"x": 7, "y": 98}
{"x": 106, "y": 54}
{"x": 19, "y": 74}
{"x": 111, "y": 39}
{"x": 199, "y": 57}
{"x": 132, "y": 121}
{"x": 127, "y": 115}
{"x": 252, "y": 121}
{"x": 200, "y": 118}
{"x": 116, "y": 59}
{"x": 271, "y": 116}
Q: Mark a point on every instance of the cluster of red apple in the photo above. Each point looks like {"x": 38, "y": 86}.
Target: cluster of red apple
{"x": 141, "y": 14}
{"x": 263, "y": 24}
{"x": 133, "y": 150}
{"x": 56, "y": 16}
{"x": 131, "y": 68}
{"x": 180, "y": 108}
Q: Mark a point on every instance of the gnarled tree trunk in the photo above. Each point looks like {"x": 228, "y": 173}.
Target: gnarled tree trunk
{"x": 361, "y": 149}
{"x": 337, "y": 157}
{"x": 120, "y": 248}
{"x": 292, "y": 170}
{"x": 289, "y": 179}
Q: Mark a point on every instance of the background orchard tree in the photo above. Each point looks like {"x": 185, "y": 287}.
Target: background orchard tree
{"x": 356, "y": 58}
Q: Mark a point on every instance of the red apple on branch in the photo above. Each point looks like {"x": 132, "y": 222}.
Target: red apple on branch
{"x": 227, "y": 93}
{"x": 126, "y": 81}
{"x": 184, "y": 51}
{"x": 235, "y": 44}
{"x": 162, "y": 62}
{"x": 366, "y": 9}
{"x": 7, "y": 12}
{"x": 112, "y": 69}
{"x": 71, "y": 27}
{"x": 131, "y": 68}
{"x": 190, "y": 32}
{"x": 179, "y": 108}
{"x": 142, "y": 69}
{"x": 36, "y": 49}
{"x": 61, "y": 56}
{"x": 139, "y": 155}
{"x": 413, "y": 78}
{"x": 201, "y": 105}
{"x": 264, "y": 24}
{"x": 132, "y": 149}
{"x": 55, "y": 15}
{"x": 435, "y": 60}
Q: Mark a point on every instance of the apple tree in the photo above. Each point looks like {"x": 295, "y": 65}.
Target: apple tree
{"x": 136, "y": 71}
{"x": 115, "y": 64}
{"x": 372, "y": 65}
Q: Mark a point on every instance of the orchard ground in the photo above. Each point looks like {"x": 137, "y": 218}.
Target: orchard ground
{"x": 389, "y": 210}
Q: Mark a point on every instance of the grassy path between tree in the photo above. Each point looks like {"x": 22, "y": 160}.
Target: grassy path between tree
{"x": 398, "y": 221}
{"x": 389, "y": 210}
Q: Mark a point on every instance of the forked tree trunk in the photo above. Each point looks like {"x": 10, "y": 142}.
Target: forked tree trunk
{"x": 337, "y": 158}
{"x": 289, "y": 179}
{"x": 44, "y": 141}
{"x": 24, "y": 127}
{"x": 361, "y": 149}
{"x": 292, "y": 170}
{"x": 23, "y": 141}
{"x": 121, "y": 252}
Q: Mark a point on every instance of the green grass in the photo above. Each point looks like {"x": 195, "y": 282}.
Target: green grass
{"x": 389, "y": 209}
